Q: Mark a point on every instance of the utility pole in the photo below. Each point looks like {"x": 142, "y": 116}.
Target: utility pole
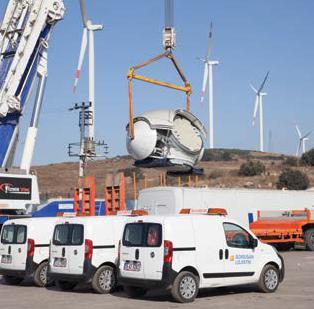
{"x": 87, "y": 146}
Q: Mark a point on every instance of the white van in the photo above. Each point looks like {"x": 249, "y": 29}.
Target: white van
{"x": 187, "y": 252}
{"x": 85, "y": 249}
{"x": 24, "y": 250}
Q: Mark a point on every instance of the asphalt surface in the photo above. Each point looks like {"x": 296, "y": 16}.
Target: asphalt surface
{"x": 297, "y": 291}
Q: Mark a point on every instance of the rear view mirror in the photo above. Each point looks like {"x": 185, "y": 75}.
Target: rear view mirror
{"x": 254, "y": 243}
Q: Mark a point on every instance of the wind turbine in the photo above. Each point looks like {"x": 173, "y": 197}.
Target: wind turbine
{"x": 208, "y": 77}
{"x": 88, "y": 38}
{"x": 259, "y": 105}
{"x": 302, "y": 140}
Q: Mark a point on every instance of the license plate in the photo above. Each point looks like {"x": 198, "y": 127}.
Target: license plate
{"x": 60, "y": 262}
{"x": 132, "y": 266}
{"x": 6, "y": 259}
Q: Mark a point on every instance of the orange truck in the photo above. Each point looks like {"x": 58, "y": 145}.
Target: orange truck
{"x": 284, "y": 229}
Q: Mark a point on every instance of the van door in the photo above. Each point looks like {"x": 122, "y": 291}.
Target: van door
{"x": 153, "y": 251}
{"x": 59, "y": 259}
{"x": 132, "y": 255}
{"x": 209, "y": 241}
{"x": 76, "y": 249}
{"x": 142, "y": 253}
{"x": 13, "y": 249}
{"x": 67, "y": 253}
{"x": 239, "y": 255}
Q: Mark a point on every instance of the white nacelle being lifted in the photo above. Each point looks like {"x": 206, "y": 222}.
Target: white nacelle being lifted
{"x": 167, "y": 138}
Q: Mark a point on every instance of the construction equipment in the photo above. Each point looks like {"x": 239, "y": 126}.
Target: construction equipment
{"x": 173, "y": 139}
{"x": 84, "y": 197}
{"x": 24, "y": 36}
{"x": 284, "y": 229}
{"x": 115, "y": 194}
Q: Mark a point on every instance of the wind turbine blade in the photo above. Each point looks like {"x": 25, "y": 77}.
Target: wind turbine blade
{"x": 263, "y": 83}
{"x": 204, "y": 82}
{"x": 298, "y": 131}
{"x": 84, "y": 12}
{"x": 255, "y": 110}
{"x": 253, "y": 88}
{"x": 307, "y": 134}
{"x": 81, "y": 58}
{"x": 210, "y": 34}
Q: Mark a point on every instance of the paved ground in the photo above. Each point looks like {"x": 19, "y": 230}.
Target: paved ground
{"x": 297, "y": 291}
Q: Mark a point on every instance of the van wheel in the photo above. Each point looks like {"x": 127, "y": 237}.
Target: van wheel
{"x": 11, "y": 280}
{"x": 269, "y": 279}
{"x": 185, "y": 287}
{"x": 40, "y": 277}
{"x": 309, "y": 239}
{"x": 65, "y": 285}
{"x": 104, "y": 280}
{"x": 134, "y": 291}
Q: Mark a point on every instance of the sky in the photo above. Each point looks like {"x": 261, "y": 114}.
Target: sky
{"x": 249, "y": 39}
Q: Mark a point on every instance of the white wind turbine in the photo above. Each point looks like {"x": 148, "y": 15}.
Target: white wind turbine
{"x": 259, "y": 105}
{"x": 88, "y": 38}
{"x": 208, "y": 77}
{"x": 302, "y": 140}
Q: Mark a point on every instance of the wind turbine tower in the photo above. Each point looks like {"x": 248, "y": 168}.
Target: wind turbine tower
{"x": 88, "y": 38}
{"x": 259, "y": 106}
{"x": 208, "y": 80}
{"x": 87, "y": 145}
{"x": 302, "y": 141}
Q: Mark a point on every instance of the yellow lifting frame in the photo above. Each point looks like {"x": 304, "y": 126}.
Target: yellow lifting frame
{"x": 132, "y": 75}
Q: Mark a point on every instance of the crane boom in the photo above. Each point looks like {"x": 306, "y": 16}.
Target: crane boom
{"x": 24, "y": 35}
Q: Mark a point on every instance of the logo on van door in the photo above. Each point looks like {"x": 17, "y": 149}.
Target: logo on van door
{"x": 242, "y": 258}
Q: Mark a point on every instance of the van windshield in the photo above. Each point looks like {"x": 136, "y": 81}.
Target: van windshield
{"x": 142, "y": 235}
{"x": 68, "y": 235}
{"x": 13, "y": 234}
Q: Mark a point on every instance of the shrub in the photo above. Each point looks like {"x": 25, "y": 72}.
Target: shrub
{"x": 291, "y": 161}
{"x": 293, "y": 180}
{"x": 252, "y": 168}
{"x": 217, "y": 155}
{"x": 308, "y": 158}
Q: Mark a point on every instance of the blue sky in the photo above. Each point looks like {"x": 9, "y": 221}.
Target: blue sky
{"x": 250, "y": 38}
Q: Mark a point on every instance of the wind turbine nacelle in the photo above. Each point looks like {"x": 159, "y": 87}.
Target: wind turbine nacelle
{"x": 172, "y": 139}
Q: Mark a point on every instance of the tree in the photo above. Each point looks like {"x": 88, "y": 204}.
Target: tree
{"x": 293, "y": 180}
{"x": 252, "y": 168}
{"x": 308, "y": 157}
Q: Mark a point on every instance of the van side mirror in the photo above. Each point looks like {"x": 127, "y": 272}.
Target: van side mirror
{"x": 254, "y": 243}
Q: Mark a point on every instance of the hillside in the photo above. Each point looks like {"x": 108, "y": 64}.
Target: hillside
{"x": 220, "y": 170}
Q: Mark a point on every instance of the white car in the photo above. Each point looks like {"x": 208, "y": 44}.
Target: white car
{"x": 85, "y": 249}
{"x": 24, "y": 250}
{"x": 187, "y": 252}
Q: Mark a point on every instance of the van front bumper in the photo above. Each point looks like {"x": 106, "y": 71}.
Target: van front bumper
{"x": 87, "y": 275}
{"x": 168, "y": 276}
